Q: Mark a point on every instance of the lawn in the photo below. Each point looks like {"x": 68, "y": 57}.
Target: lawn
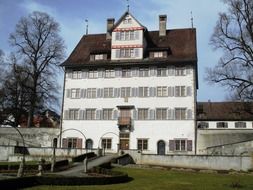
{"x": 156, "y": 179}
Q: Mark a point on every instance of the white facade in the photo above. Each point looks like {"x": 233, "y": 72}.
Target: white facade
{"x": 160, "y": 99}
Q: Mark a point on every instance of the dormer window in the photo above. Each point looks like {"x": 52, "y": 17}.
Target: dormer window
{"x": 127, "y": 35}
{"x": 158, "y": 54}
{"x": 97, "y": 57}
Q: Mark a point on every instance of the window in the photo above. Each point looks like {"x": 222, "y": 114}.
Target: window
{"x": 107, "y": 114}
{"x": 222, "y": 125}
{"x": 93, "y": 74}
{"x": 161, "y": 72}
{"x": 77, "y": 75}
{"x": 180, "y": 113}
{"x": 75, "y": 93}
{"x": 203, "y": 125}
{"x": 159, "y": 54}
{"x": 180, "y": 91}
{"x": 91, "y": 93}
{"x": 108, "y": 92}
{"x": 72, "y": 142}
{"x": 143, "y": 91}
{"x": 109, "y": 73}
{"x": 99, "y": 56}
{"x": 180, "y": 145}
{"x": 162, "y": 91}
{"x": 127, "y": 53}
{"x": 161, "y": 113}
{"x": 106, "y": 143}
{"x": 90, "y": 114}
{"x": 125, "y": 92}
{"x": 126, "y": 73}
{"x": 142, "y": 144}
{"x": 127, "y": 20}
{"x": 73, "y": 114}
{"x": 144, "y": 72}
{"x": 240, "y": 124}
{"x": 180, "y": 71}
{"x": 142, "y": 114}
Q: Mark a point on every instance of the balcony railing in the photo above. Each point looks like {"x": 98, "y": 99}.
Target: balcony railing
{"x": 124, "y": 121}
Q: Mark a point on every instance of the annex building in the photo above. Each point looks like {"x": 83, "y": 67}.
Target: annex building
{"x": 131, "y": 88}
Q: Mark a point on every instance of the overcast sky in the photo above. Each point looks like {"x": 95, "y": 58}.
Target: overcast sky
{"x": 71, "y": 16}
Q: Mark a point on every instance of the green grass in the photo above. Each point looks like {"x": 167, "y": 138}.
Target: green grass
{"x": 156, "y": 179}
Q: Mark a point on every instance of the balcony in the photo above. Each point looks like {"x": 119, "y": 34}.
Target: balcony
{"x": 124, "y": 121}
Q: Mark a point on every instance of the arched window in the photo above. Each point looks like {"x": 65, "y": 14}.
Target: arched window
{"x": 89, "y": 144}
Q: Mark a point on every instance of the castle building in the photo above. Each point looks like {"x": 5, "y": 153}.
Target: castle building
{"x": 131, "y": 88}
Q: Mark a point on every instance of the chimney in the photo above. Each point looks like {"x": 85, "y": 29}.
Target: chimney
{"x": 162, "y": 25}
{"x": 110, "y": 24}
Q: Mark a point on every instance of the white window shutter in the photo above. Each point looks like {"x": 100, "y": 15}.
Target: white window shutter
{"x": 115, "y": 114}
{"x": 66, "y": 114}
{"x": 154, "y": 90}
{"x": 118, "y": 92}
{"x": 100, "y": 73}
{"x": 137, "y": 52}
{"x": 117, "y": 36}
{"x": 151, "y": 114}
{"x": 189, "y": 114}
{"x": 80, "y": 114}
{"x": 98, "y": 114}
{"x": 69, "y": 74}
{"x": 136, "y": 34}
{"x": 98, "y": 92}
{"x": 170, "y": 91}
{"x": 82, "y": 93}
{"x": 188, "y": 70}
{"x": 68, "y": 93}
{"x": 84, "y": 74}
{"x": 117, "y": 53}
{"x": 135, "y": 115}
{"x": 171, "y": 71}
{"x": 189, "y": 91}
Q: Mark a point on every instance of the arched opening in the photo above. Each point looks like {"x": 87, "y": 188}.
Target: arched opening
{"x": 161, "y": 147}
{"x": 89, "y": 144}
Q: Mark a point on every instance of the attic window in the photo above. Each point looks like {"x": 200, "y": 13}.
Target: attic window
{"x": 96, "y": 57}
{"x": 158, "y": 54}
{"x": 127, "y": 20}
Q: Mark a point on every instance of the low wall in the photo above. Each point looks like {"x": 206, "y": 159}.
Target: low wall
{"x": 36, "y": 153}
{"x": 237, "y": 163}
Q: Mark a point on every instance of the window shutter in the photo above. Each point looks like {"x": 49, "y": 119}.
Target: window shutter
{"x": 64, "y": 143}
{"x": 151, "y": 114}
{"x": 154, "y": 90}
{"x": 117, "y": 52}
{"x": 137, "y": 92}
{"x": 98, "y": 114}
{"x": 66, "y": 114}
{"x": 189, "y": 91}
{"x": 133, "y": 92}
{"x": 170, "y": 91}
{"x": 84, "y": 114}
{"x": 117, "y": 36}
{"x": 151, "y": 54}
{"x": 189, "y": 145}
{"x": 152, "y": 71}
{"x": 105, "y": 56}
{"x": 80, "y": 114}
{"x": 172, "y": 145}
{"x": 135, "y": 114}
{"x": 92, "y": 57}
{"x": 82, "y": 93}
{"x": 98, "y": 92}
{"x": 69, "y": 74}
{"x": 100, "y": 73}
{"x": 115, "y": 114}
{"x": 136, "y": 52}
{"x": 68, "y": 93}
{"x": 101, "y": 92}
{"x": 189, "y": 114}
{"x": 115, "y": 93}
{"x": 171, "y": 71}
{"x": 165, "y": 54}
{"x": 84, "y": 74}
{"x": 118, "y": 93}
{"x": 188, "y": 70}
{"x": 136, "y": 34}
{"x": 79, "y": 143}
{"x": 169, "y": 114}
{"x": 151, "y": 92}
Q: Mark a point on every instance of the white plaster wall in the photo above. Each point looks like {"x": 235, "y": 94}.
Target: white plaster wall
{"x": 231, "y": 125}
{"x": 155, "y": 130}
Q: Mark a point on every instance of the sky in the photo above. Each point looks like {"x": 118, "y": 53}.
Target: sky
{"x": 71, "y": 16}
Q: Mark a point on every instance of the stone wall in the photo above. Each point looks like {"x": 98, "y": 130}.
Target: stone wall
{"x": 237, "y": 163}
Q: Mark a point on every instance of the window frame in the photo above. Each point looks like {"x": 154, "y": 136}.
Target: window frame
{"x": 107, "y": 114}
{"x": 90, "y": 114}
{"x": 143, "y": 113}
{"x": 182, "y": 114}
{"x": 180, "y": 149}
{"x": 73, "y": 114}
{"x": 91, "y": 93}
{"x": 108, "y": 92}
{"x": 142, "y": 144}
{"x": 162, "y": 91}
{"x": 108, "y": 143}
{"x": 161, "y": 113}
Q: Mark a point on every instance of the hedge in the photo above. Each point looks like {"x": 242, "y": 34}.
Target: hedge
{"x": 17, "y": 183}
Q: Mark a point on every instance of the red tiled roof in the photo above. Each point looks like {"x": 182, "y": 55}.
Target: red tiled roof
{"x": 181, "y": 44}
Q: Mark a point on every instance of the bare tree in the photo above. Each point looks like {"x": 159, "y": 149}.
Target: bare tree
{"x": 40, "y": 50}
{"x": 233, "y": 34}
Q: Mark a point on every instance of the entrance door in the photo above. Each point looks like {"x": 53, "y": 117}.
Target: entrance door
{"x": 161, "y": 148}
{"x": 124, "y": 141}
